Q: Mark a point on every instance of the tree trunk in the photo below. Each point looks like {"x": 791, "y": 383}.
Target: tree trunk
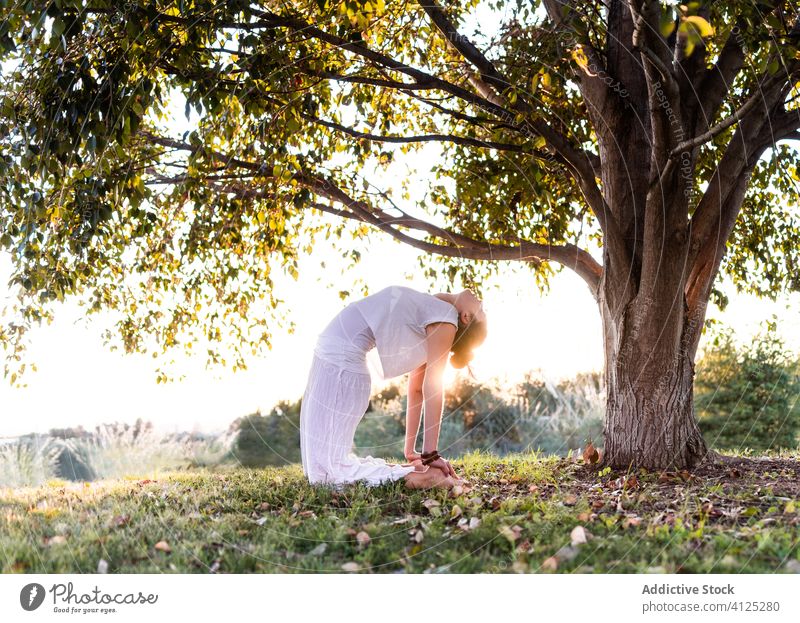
{"x": 650, "y": 419}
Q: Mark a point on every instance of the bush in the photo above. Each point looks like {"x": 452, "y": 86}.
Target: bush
{"x": 746, "y": 396}
{"x": 272, "y": 439}
{"x": 382, "y": 431}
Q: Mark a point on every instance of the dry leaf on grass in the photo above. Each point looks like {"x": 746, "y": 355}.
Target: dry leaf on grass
{"x": 579, "y": 535}
{"x": 512, "y": 533}
{"x": 591, "y": 454}
{"x": 363, "y": 539}
{"x": 318, "y": 550}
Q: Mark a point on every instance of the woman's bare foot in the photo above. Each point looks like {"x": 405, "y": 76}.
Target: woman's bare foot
{"x": 428, "y": 479}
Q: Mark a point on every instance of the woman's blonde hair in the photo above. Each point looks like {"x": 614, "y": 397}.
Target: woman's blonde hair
{"x": 468, "y": 337}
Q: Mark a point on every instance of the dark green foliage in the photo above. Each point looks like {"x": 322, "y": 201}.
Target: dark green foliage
{"x": 272, "y": 439}
{"x": 72, "y": 462}
{"x": 485, "y": 415}
{"x": 747, "y": 396}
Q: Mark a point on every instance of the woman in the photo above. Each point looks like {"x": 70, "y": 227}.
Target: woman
{"x": 412, "y": 332}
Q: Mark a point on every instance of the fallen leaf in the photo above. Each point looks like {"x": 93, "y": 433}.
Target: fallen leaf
{"x": 789, "y": 509}
{"x": 631, "y": 520}
{"x": 566, "y": 553}
{"x": 351, "y": 567}
{"x": 579, "y": 535}
{"x": 550, "y": 564}
{"x": 163, "y": 546}
{"x": 363, "y": 539}
{"x": 570, "y": 499}
{"x": 631, "y": 482}
{"x": 590, "y": 454}
{"x": 418, "y": 536}
{"x": 510, "y": 532}
{"x": 666, "y": 477}
{"x": 318, "y": 550}
{"x": 455, "y": 511}
{"x": 533, "y": 488}
{"x": 474, "y": 522}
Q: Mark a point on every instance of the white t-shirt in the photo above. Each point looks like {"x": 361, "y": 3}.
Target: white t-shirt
{"x": 397, "y": 316}
{"x": 394, "y": 324}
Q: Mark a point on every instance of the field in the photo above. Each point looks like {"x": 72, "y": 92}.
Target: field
{"x": 520, "y": 513}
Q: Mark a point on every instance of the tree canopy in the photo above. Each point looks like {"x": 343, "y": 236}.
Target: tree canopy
{"x": 297, "y": 102}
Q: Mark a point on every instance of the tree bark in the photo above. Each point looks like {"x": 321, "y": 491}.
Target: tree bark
{"x": 649, "y": 377}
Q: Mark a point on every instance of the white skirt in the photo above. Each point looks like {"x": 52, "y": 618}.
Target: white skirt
{"x": 334, "y": 401}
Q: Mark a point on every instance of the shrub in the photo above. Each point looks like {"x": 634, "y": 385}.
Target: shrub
{"x": 272, "y": 439}
{"x": 746, "y": 396}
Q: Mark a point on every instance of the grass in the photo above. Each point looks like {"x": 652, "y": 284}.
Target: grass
{"x": 520, "y": 513}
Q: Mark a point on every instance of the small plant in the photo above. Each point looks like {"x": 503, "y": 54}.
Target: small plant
{"x": 26, "y": 463}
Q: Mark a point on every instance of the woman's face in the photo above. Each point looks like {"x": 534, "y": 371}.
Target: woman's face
{"x": 471, "y": 308}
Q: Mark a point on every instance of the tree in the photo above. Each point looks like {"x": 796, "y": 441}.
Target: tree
{"x": 645, "y": 146}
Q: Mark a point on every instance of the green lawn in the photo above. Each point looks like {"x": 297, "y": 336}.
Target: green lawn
{"x": 520, "y": 514}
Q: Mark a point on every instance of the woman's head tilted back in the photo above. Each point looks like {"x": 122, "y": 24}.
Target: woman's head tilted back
{"x": 471, "y": 331}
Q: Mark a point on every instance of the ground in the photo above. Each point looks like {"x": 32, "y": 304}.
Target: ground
{"x": 520, "y": 513}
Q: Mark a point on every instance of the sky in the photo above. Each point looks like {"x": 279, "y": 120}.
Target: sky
{"x": 79, "y": 381}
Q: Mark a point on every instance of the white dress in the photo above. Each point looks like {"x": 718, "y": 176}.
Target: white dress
{"x": 392, "y": 321}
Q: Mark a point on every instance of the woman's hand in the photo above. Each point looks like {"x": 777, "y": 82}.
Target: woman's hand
{"x": 443, "y": 465}
{"x": 415, "y": 459}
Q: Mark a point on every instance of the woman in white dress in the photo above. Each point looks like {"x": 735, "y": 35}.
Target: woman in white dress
{"x": 412, "y": 332}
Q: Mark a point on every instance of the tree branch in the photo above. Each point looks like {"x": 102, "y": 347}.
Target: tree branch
{"x": 569, "y": 255}
{"x": 579, "y": 161}
{"x": 449, "y": 138}
{"x": 755, "y": 98}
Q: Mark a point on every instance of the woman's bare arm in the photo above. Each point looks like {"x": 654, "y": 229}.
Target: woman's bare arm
{"x": 439, "y": 340}
{"x": 413, "y": 411}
